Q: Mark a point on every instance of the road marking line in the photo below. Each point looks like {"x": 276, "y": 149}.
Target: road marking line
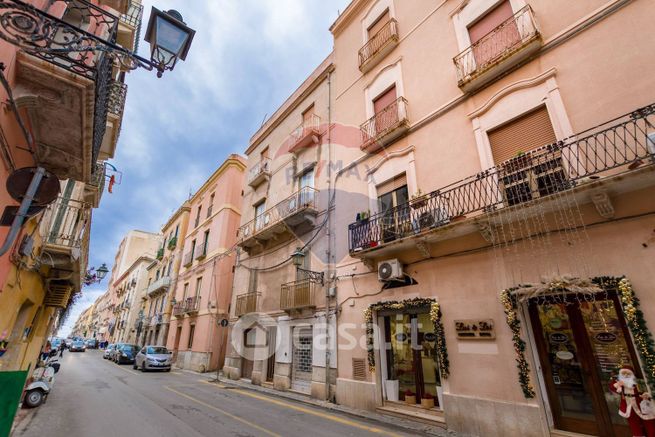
{"x": 314, "y": 413}
{"x": 125, "y": 370}
{"x": 230, "y": 415}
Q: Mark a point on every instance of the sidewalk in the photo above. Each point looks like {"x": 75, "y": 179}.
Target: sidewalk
{"x": 408, "y": 425}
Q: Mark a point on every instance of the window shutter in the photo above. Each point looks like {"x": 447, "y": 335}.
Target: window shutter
{"x": 392, "y": 184}
{"x": 523, "y": 134}
{"x": 379, "y": 24}
{"x": 385, "y": 99}
{"x": 490, "y": 21}
{"x": 308, "y": 115}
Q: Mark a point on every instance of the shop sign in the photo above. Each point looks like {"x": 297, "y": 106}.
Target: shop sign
{"x": 558, "y": 337}
{"x": 475, "y": 329}
{"x": 605, "y": 337}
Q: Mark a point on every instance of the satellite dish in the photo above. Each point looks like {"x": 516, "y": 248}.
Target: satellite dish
{"x": 19, "y": 181}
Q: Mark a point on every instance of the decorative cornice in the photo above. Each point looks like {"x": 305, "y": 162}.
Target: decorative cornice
{"x": 513, "y": 87}
{"x": 386, "y": 157}
{"x": 347, "y": 15}
{"x": 234, "y": 160}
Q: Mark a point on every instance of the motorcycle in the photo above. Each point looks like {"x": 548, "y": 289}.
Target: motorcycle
{"x": 40, "y": 383}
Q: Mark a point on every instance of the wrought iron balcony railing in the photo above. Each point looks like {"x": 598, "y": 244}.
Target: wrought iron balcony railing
{"x": 134, "y": 19}
{"x": 499, "y": 44}
{"x": 116, "y": 98}
{"x": 178, "y": 309}
{"x": 246, "y": 304}
{"x": 188, "y": 259}
{"x": 259, "y": 172}
{"x": 305, "y": 134}
{"x": 98, "y": 176}
{"x": 65, "y": 223}
{"x": 617, "y": 146}
{"x": 385, "y": 125}
{"x": 378, "y": 44}
{"x": 298, "y": 294}
{"x": 192, "y": 304}
{"x": 304, "y": 199}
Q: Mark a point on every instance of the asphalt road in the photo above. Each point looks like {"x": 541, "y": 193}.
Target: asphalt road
{"x": 95, "y": 397}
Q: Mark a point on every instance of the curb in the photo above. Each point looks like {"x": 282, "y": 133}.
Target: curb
{"x": 381, "y": 418}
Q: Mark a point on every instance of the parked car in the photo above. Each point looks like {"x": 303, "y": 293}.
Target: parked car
{"x": 108, "y": 351}
{"x": 125, "y": 353}
{"x": 153, "y": 358}
{"x": 78, "y": 346}
{"x": 91, "y": 343}
{"x": 69, "y": 342}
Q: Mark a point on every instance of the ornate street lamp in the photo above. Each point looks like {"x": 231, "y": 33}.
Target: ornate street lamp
{"x": 36, "y": 31}
{"x": 102, "y": 271}
{"x": 169, "y": 37}
{"x": 97, "y": 277}
{"x": 298, "y": 257}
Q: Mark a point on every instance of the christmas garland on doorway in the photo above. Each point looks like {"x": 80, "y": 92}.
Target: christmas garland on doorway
{"x": 435, "y": 317}
{"x": 510, "y": 305}
{"x": 630, "y": 307}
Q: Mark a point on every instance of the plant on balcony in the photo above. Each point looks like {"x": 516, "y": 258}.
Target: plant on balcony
{"x": 517, "y": 163}
{"x": 362, "y": 217}
{"x": 160, "y": 254}
{"x": 172, "y": 243}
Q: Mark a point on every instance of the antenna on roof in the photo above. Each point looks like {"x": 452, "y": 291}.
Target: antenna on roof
{"x": 264, "y": 120}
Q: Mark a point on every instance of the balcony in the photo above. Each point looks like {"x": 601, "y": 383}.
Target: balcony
{"x": 64, "y": 225}
{"x": 160, "y": 254}
{"x": 246, "y": 304}
{"x": 172, "y": 243}
{"x": 298, "y": 295}
{"x": 378, "y": 46}
{"x": 202, "y": 254}
{"x": 294, "y": 215}
{"x": 306, "y": 134}
{"x": 385, "y": 127}
{"x": 188, "y": 259}
{"x": 117, "y": 93}
{"x": 178, "y": 309}
{"x": 161, "y": 284}
{"x": 499, "y": 50}
{"x": 260, "y": 173}
{"x": 192, "y": 304}
{"x": 619, "y": 152}
{"x": 129, "y": 29}
{"x": 96, "y": 186}
{"x": 69, "y": 125}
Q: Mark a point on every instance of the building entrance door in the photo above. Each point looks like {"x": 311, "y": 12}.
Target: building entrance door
{"x": 412, "y": 355}
{"x": 249, "y": 342}
{"x": 301, "y": 368}
{"x": 581, "y": 344}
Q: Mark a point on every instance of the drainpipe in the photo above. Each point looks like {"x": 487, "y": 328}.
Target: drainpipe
{"x": 22, "y": 210}
{"x": 329, "y": 249}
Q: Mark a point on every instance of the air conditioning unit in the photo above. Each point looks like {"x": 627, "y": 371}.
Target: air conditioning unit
{"x": 390, "y": 270}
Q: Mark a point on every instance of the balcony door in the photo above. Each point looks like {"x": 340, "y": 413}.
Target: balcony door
{"x": 306, "y": 187}
{"x": 489, "y": 41}
{"x": 580, "y": 345}
{"x": 259, "y": 216}
{"x": 385, "y": 115}
{"x": 393, "y": 199}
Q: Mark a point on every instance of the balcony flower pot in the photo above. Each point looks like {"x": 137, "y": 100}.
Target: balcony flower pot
{"x": 410, "y": 398}
{"x": 418, "y": 200}
{"x": 427, "y": 401}
{"x": 458, "y": 218}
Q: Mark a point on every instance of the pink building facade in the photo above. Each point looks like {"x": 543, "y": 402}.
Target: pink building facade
{"x": 204, "y": 284}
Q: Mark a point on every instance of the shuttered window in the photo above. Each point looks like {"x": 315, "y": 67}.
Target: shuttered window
{"x": 308, "y": 115}
{"x": 528, "y": 132}
{"x": 490, "y": 21}
{"x": 379, "y": 24}
{"x": 385, "y": 99}
{"x": 392, "y": 184}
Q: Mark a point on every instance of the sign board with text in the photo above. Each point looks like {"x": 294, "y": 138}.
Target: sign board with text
{"x": 475, "y": 329}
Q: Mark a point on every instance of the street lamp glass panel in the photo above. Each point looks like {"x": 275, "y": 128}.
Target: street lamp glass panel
{"x": 170, "y": 37}
{"x": 298, "y": 257}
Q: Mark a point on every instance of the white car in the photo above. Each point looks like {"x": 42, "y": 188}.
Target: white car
{"x": 153, "y": 358}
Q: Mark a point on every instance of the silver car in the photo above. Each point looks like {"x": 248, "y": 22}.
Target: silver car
{"x": 108, "y": 350}
{"x": 153, "y": 358}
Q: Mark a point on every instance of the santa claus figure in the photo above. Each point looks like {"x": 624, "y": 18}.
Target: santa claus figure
{"x": 641, "y": 421}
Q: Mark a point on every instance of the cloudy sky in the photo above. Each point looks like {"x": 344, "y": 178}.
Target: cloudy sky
{"x": 247, "y": 58}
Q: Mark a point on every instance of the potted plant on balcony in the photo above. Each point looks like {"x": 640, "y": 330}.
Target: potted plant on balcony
{"x": 418, "y": 200}
{"x": 427, "y": 401}
{"x": 362, "y": 217}
{"x": 519, "y": 162}
{"x": 410, "y": 397}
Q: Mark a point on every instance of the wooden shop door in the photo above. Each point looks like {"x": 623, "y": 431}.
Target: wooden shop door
{"x": 581, "y": 344}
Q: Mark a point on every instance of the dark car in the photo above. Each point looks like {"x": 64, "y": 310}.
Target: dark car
{"x": 78, "y": 346}
{"x": 91, "y": 343}
{"x": 125, "y": 353}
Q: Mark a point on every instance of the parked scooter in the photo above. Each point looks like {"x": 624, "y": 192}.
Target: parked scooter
{"x": 41, "y": 382}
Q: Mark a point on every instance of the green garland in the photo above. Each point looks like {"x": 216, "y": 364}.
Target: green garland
{"x": 633, "y": 315}
{"x": 509, "y": 304}
{"x": 435, "y": 317}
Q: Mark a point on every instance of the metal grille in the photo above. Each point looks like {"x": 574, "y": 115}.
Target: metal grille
{"x": 302, "y": 355}
{"x": 614, "y": 147}
{"x": 359, "y": 369}
{"x": 384, "y": 122}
